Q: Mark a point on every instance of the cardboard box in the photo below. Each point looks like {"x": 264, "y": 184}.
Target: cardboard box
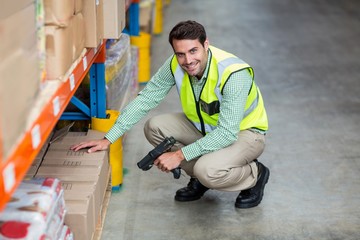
{"x": 67, "y": 139}
{"x": 114, "y": 18}
{"x": 19, "y": 75}
{"x": 10, "y": 7}
{"x": 64, "y": 134}
{"x": 64, "y": 145}
{"x": 146, "y": 15}
{"x": 37, "y": 162}
{"x": 78, "y": 6}
{"x": 31, "y": 172}
{"x": 25, "y": 36}
{"x": 84, "y": 164}
{"x": 50, "y": 160}
{"x": 63, "y": 163}
{"x": 99, "y": 190}
{"x": 84, "y": 188}
{"x": 62, "y": 166}
{"x": 58, "y": 13}
{"x": 79, "y": 172}
{"x": 76, "y": 134}
{"x": 76, "y": 180}
{"x": 81, "y": 155}
{"x": 64, "y": 131}
{"x": 80, "y": 216}
{"x": 42, "y": 151}
{"x": 78, "y": 35}
{"x": 73, "y": 183}
{"x": 94, "y": 22}
{"x": 19, "y": 85}
{"x": 59, "y": 51}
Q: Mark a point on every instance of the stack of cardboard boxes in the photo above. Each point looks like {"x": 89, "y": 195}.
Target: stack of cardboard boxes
{"x": 19, "y": 72}
{"x": 114, "y": 18}
{"x": 67, "y": 27}
{"x": 84, "y": 178}
{"x": 64, "y": 35}
{"x": 72, "y": 25}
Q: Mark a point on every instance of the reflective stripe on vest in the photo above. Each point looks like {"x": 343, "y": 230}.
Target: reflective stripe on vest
{"x": 253, "y": 105}
{"x": 222, "y": 65}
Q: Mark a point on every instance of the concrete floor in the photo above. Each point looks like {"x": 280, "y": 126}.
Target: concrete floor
{"x": 306, "y": 56}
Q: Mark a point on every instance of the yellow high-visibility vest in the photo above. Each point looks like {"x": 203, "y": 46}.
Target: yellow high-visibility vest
{"x": 204, "y": 113}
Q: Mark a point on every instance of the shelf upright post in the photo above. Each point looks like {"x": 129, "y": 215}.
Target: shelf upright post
{"x": 134, "y": 19}
{"x": 97, "y": 91}
{"x": 97, "y": 85}
{"x": 97, "y": 106}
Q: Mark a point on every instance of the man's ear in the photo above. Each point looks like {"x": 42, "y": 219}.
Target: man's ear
{"x": 206, "y": 44}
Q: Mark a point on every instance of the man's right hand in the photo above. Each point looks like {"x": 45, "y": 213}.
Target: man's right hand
{"x": 94, "y": 145}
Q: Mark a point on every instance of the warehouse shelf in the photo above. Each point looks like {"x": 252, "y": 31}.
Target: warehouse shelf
{"x": 134, "y": 19}
{"x": 14, "y": 167}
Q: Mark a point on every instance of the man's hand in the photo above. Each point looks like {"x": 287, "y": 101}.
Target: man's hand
{"x": 169, "y": 160}
{"x": 94, "y": 145}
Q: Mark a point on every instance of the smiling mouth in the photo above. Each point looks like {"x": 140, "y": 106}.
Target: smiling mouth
{"x": 191, "y": 67}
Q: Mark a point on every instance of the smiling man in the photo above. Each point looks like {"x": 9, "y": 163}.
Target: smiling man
{"x": 221, "y": 131}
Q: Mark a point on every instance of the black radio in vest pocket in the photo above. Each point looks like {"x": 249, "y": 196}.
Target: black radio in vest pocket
{"x": 210, "y": 108}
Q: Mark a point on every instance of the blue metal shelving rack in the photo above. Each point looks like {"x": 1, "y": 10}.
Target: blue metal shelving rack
{"x": 97, "y": 106}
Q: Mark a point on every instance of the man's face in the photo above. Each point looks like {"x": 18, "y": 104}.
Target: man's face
{"x": 191, "y": 55}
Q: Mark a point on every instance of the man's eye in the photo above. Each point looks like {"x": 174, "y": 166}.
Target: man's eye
{"x": 180, "y": 54}
{"x": 193, "y": 51}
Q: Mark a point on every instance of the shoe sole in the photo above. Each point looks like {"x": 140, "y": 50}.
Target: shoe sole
{"x": 250, "y": 205}
{"x": 186, "y": 199}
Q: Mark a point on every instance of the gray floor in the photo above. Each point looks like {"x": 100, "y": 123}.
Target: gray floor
{"x": 306, "y": 56}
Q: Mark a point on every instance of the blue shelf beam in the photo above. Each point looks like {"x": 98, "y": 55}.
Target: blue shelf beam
{"x": 97, "y": 106}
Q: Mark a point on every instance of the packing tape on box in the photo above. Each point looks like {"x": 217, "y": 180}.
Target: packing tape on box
{"x": 116, "y": 152}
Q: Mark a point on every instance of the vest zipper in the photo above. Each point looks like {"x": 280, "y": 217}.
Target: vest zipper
{"x": 200, "y": 118}
{"x": 198, "y": 107}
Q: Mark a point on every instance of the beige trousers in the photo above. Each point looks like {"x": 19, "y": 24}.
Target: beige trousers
{"x": 228, "y": 169}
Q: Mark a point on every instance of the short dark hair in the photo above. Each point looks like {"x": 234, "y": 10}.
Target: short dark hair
{"x": 188, "y": 30}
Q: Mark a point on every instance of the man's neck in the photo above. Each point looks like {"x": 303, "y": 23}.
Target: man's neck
{"x": 198, "y": 77}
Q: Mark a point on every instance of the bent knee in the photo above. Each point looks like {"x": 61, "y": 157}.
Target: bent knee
{"x": 152, "y": 130}
{"x": 210, "y": 177}
{"x": 152, "y": 124}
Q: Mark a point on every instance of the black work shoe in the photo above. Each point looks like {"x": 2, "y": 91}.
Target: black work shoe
{"x": 194, "y": 191}
{"x": 252, "y": 197}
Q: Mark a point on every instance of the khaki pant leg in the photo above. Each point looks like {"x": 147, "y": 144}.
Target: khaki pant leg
{"x": 229, "y": 169}
{"x": 232, "y": 168}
